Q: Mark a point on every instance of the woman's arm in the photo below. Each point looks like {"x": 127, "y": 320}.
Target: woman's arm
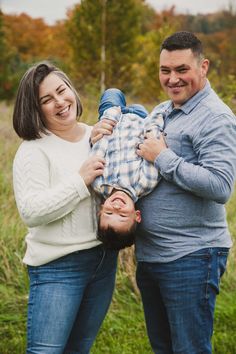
{"x": 38, "y": 200}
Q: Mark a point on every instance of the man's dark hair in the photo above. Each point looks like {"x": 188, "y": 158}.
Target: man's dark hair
{"x": 183, "y": 40}
{"x": 28, "y": 119}
{"x": 116, "y": 240}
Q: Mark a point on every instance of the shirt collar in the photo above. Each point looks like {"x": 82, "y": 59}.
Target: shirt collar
{"x": 192, "y": 102}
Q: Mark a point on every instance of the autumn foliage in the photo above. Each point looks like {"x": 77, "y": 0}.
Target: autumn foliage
{"x": 114, "y": 42}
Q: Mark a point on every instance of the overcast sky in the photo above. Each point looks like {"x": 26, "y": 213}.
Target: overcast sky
{"x": 53, "y": 10}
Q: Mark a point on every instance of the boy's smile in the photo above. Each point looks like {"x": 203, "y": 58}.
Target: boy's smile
{"x": 118, "y": 212}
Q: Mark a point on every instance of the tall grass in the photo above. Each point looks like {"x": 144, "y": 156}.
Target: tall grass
{"x": 123, "y": 331}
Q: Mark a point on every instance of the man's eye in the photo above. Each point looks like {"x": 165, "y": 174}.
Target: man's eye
{"x": 108, "y": 213}
{"x": 163, "y": 71}
{"x": 182, "y": 71}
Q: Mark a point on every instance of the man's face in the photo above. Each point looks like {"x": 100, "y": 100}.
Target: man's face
{"x": 182, "y": 74}
{"x": 118, "y": 212}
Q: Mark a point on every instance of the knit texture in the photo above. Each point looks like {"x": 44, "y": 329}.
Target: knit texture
{"x": 53, "y": 199}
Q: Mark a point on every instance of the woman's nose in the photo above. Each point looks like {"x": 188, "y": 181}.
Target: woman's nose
{"x": 59, "y": 101}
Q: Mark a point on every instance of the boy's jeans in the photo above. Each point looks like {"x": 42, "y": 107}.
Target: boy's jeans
{"x": 114, "y": 97}
{"x": 69, "y": 298}
{"x": 179, "y": 300}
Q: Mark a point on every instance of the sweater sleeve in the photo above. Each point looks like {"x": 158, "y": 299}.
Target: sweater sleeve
{"x": 38, "y": 200}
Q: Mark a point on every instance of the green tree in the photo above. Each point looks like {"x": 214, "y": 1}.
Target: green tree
{"x": 11, "y": 67}
{"x": 89, "y": 36}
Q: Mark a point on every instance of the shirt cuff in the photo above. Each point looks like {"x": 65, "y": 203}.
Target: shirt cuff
{"x": 166, "y": 159}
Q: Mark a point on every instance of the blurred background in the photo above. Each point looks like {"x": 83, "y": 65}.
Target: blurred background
{"x": 101, "y": 44}
{"x": 106, "y": 43}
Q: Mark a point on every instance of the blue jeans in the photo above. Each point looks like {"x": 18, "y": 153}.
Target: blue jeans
{"x": 179, "y": 300}
{"x": 114, "y": 97}
{"x": 68, "y": 301}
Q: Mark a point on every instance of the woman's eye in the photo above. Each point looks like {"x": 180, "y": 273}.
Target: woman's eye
{"x": 46, "y": 101}
{"x": 61, "y": 91}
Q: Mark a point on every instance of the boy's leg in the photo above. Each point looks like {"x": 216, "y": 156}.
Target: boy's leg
{"x": 138, "y": 109}
{"x": 115, "y": 97}
{"x": 110, "y": 98}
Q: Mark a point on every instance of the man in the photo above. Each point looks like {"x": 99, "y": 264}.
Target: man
{"x": 183, "y": 241}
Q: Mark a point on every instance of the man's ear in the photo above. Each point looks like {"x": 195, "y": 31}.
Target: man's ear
{"x": 138, "y": 216}
{"x": 204, "y": 67}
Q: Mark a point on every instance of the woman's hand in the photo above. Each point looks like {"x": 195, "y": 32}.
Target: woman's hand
{"x": 104, "y": 127}
{"x": 92, "y": 168}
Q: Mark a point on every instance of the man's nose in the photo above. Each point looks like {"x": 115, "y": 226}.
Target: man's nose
{"x": 173, "y": 77}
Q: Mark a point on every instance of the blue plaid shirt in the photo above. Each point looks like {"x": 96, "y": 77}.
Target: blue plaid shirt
{"x": 124, "y": 169}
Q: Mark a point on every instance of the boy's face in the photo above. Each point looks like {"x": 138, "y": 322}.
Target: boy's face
{"x": 118, "y": 212}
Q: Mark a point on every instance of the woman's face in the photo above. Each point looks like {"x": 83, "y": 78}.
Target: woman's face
{"x": 58, "y": 103}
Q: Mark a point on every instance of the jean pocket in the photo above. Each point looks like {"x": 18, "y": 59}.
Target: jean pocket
{"x": 222, "y": 256}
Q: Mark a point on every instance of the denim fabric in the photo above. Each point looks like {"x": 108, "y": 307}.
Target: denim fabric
{"x": 115, "y": 97}
{"x": 179, "y": 300}
{"x": 68, "y": 301}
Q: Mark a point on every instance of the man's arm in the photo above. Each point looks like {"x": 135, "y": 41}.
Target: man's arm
{"x": 214, "y": 175}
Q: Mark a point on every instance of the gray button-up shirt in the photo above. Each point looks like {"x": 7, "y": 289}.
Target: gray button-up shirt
{"x": 186, "y": 210}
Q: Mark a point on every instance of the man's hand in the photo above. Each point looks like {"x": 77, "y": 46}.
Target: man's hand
{"x": 151, "y": 147}
{"x": 104, "y": 127}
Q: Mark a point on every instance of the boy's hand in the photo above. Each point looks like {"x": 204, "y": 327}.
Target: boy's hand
{"x": 104, "y": 127}
{"x": 151, "y": 147}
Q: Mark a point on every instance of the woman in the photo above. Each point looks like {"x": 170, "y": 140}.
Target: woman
{"x": 71, "y": 276}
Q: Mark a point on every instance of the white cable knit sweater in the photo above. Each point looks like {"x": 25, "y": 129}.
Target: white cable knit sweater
{"x": 53, "y": 199}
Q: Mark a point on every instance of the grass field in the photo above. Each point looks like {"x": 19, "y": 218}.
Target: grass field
{"x": 123, "y": 331}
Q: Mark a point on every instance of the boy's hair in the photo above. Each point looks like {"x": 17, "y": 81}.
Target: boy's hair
{"x": 116, "y": 240}
{"x": 183, "y": 40}
{"x": 28, "y": 119}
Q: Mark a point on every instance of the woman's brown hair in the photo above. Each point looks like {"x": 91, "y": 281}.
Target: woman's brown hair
{"x": 28, "y": 119}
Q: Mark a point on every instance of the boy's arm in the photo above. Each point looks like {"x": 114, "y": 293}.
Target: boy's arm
{"x": 154, "y": 123}
{"x": 100, "y": 147}
{"x": 148, "y": 178}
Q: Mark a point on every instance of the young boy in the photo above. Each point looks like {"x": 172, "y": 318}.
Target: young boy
{"x": 126, "y": 176}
